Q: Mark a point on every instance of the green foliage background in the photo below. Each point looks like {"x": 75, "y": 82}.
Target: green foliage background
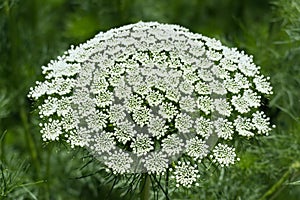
{"x": 33, "y": 32}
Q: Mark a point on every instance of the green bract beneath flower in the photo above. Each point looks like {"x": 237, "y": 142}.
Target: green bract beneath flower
{"x": 151, "y": 97}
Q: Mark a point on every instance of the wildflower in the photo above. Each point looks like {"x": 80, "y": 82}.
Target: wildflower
{"x": 185, "y": 174}
{"x": 142, "y": 144}
{"x": 224, "y": 155}
{"x": 148, "y": 97}
{"x": 124, "y": 132}
{"x": 172, "y": 145}
{"x": 204, "y": 127}
{"x": 224, "y": 128}
{"x": 196, "y": 148}
{"x": 156, "y": 163}
{"x": 119, "y": 162}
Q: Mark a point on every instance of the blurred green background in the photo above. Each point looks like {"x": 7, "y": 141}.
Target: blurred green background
{"x": 33, "y": 32}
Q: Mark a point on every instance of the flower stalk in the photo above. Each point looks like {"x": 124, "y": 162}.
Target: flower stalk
{"x": 145, "y": 185}
{"x": 29, "y": 139}
{"x": 280, "y": 183}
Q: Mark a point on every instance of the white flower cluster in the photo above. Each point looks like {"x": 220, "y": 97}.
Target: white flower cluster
{"x": 185, "y": 174}
{"x": 142, "y": 95}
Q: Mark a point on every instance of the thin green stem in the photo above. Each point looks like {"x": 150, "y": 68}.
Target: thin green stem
{"x": 29, "y": 139}
{"x": 24, "y": 185}
{"x": 2, "y": 153}
{"x": 281, "y": 181}
{"x": 145, "y": 187}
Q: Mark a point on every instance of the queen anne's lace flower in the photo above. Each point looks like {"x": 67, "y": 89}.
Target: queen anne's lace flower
{"x": 51, "y": 130}
{"x": 156, "y": 163}
{"x": 261, "y": 122}
{"x": 172, "y": 145}
{"x": 102, "y": 142}
{"x": 142, "y": 144}
{"x": 157, "y": 127}
{"x": 204, "y": 127}
{"x": 168, "y": 111}
{"x": 262, "y": 84}
{"x": 222, "y": 107}
{"x": 202, "y": 88}
{"x": 49, "y": 107}
{"x": 117, "y": 113}
{"x": 204, "y": 103}
{"x": 187, "y": 104}
{"x": 224, "y": 128}
{"x": 141, "y": 96}
{"x": 124, "y": 132}
{"x": 119, "y": 162}
{"x": 183, "y": 123}
{"x": 196, "y": 148}
{"x": 141, "y": 115}
{"x": 185, "y": 174}
{"x": 224, "y": 155}
{"x": 96, "y": 121}
{"x": 243, "y": 126}
{"x": 154, "y": 98}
